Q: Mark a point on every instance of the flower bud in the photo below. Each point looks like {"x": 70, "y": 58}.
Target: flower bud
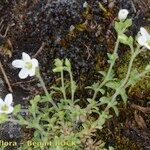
{"x": 122, "y": 15}
{"x": 85, "y": 4}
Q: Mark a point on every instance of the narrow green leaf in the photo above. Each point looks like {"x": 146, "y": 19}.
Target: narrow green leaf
{"x": 74, "y": 86}
{"x": 67, "y": 63}
{"x": 123, "y": 39}
{"x": 58, "y": 63}
{"x": 58, "y": 69}
{"x": 123, "y": 95}
{"x": 102, "y": 91}
{"x": 17, "y": 109}
{"x": 102, "y": 73}
{"x": 3, "y": 118}
{"x": 127, "y": 23}
{"x": 116, "y": 110}
{"x": 104, "y": 100}
{"x": 112, "y": 84}
{"x": 56, "y": 88}
{"x": 117, "y": 27}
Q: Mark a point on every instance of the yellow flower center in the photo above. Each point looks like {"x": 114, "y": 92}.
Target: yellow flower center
{"x": 4, "y": 108}
{"x": 28, "y": 65}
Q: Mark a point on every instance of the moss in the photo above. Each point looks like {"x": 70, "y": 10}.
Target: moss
{"x": 124, "y": 143}
{"x": 117, "y": 140}
{"x": 142, "y": 88}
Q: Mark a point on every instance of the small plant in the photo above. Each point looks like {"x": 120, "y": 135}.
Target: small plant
{"x": 64, "y": 124}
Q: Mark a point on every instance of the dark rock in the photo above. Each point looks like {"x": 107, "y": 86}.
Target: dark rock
{"x": 11, "y": 132}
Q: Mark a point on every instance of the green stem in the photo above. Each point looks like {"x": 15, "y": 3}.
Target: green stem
{"x": 112, "y": 64}
{"x": 109, "y": 71}
{"x": 132, "y": 49}
{"x": 63, "y": 85}
{"x": 45, "y": 90}
{"x": 125, "y": 80}
{"x": 72, "y": 84}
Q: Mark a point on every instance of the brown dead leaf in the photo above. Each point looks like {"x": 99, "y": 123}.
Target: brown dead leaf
{"x": 140, "y": 108}
{"x": 139, "y": 120}
{"x": 6, "y": 48}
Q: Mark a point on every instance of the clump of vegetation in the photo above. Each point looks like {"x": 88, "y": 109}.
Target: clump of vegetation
{"x": 57, "y": 119}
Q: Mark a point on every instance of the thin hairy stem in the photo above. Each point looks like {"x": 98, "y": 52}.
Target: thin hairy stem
{"x": 125, "y": 80}
{"x": 63, "y": 85}
{"x": 45, "y": 89}
{"x": 72, "y": 85}
{"x": 109, "y": 71}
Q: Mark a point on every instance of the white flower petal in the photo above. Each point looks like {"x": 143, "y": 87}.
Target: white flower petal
{"x": 31, "y": 72}
{"x": 26, "y": 57}
{"x": 8, "y": 99}
{"x": 23, "y": 73}
{"x": 144, "y": 33}
{"x": 141, "y": 40}
{"x": 1, "y": 102}
{"x": 35, "y": 62}
{"x": 10, "y": 110}
{"x": 147, "y": 46}
{"x": 18, "y": 63}
{"x": 144, "y": 38}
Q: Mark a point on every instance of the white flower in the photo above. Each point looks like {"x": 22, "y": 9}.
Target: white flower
{"x": 85, "y": 4}
{"x": 28, "y": 66}
{"x": 122, "y": 15}
{"x": 5, "y": 106}
{"x": 144, "y": 38}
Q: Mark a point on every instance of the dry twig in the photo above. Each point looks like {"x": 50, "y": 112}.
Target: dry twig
{"x": 5, "y": 77}
{"x": 39, "y": 50}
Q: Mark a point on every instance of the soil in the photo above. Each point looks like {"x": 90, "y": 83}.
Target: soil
{"x": 42, "y": 28}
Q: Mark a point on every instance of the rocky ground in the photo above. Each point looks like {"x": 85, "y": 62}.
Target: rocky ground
{"x": 49, "y": 29}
